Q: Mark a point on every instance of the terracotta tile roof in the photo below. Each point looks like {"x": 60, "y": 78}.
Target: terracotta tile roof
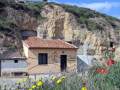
{"x": 35, "y": 42}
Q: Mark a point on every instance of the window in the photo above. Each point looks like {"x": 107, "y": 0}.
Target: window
{"x": 15, "y": 61}
{"x": 43, "y": 58}
{"x": 18, "y": 73}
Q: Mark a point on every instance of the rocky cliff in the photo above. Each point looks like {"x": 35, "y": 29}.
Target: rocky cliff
{"x": 54, "y": 21}
{"x": 63, "y": 22}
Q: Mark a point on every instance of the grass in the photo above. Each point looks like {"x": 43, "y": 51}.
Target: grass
{"x": 73, "y": 81}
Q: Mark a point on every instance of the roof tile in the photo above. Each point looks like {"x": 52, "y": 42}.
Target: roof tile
{"x": 35, "y": 42}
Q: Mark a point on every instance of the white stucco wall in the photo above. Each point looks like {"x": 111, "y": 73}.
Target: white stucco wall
{"x": 11, "y": 66}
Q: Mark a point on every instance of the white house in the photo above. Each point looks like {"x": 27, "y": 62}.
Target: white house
{"x": 85, "y": 61}
{"x": 13, "y": 65}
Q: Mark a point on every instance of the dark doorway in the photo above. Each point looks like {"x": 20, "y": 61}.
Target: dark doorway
{"x": 63, "y": 62}
{"x": 43, "y": 58}
{"x": 111, "y": 44}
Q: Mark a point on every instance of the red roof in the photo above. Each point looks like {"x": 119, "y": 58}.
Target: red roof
{"x": 35, "y": 42}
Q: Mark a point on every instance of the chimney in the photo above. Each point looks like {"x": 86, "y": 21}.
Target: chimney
{"x": 41, "y": 33}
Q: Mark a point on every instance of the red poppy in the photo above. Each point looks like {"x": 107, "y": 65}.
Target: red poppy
{"x": 102, "y": 71}
{"x": 110, "y": 62}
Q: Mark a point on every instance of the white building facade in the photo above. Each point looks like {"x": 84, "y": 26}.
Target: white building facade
{"x": 13, "y": 67}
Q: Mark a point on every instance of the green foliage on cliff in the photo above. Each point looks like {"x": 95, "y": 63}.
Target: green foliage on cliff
{"x": 81, "y": 13}
{"x": 36, "y": 8}
{"x": 84, "y": 14}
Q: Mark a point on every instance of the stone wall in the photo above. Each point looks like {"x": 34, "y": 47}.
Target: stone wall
{"x": 53, "y": 60}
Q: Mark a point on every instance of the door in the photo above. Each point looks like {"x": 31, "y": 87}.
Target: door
{"x": 43, "y": 58}
{"x": 63, "y": 62}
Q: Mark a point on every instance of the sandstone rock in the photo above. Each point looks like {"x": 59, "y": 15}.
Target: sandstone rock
{"x": 63, "y": 25}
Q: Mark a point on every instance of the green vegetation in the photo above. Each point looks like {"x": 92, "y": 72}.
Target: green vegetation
{"x": 5, "y": 23}
{"x": 83, "y": 15}
{"x": 106, "y": 76}
{"x": 71, "y": 81}
{"x": 110, "y": 19}
{"x": 110, "y": 81}
{"x": 91, "y": 25}
{"x": 33, "y": 9}
{"x": 36, "y": 8}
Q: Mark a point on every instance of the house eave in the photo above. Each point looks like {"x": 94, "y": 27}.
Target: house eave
{"x": 13, "y": 58}
{"x": 51, "y": 48}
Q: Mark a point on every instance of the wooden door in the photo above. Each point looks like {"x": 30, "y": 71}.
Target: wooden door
{"x": 63, "y": 62}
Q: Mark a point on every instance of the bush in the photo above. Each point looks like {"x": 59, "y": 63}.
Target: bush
{"x": 114, "y": 75}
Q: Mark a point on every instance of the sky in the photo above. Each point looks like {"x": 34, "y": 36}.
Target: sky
{"x": 109, "y": 7}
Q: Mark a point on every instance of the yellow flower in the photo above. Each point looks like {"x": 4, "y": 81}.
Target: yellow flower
{"x": 24, "y": 80}
{"x": 18, "y": 82}
{"x": 84, "y": 88}
{"x": 40, "y": 83}
{"x": 59, "y": 81}
{"x": 53, "y": 78}
{"x": 33, "y": 86}
{"x": 21, "y": 81}
{"x": 63, "y": 77}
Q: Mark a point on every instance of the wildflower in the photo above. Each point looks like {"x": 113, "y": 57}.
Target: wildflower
{"x": 59, "y": 81}
{"x": 53, "y": 78}
{"x": 18, "y": 82}
{"x": 33, "y": 86}
{"x": 110, "y": 62}
{"x": 40, "y": 83}
{"x": 102, "y": 71}
{"x": 63, "y": 77}
{"x": 23, "y": 80}
{"x": 84, "y": 88}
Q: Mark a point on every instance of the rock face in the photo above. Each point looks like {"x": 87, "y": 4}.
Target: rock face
{"x": 60, "y": 24}
{"x": 13, "y": 20}
{"x": 21, "y": 19}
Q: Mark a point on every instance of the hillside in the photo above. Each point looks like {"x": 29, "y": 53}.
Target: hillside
{"x": 70, "y": 23}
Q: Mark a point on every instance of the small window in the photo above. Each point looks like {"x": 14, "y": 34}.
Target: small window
{"x": 18, "y": 73}
{"x": 15, "y": 61}
{"x": 43, "y": 58}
